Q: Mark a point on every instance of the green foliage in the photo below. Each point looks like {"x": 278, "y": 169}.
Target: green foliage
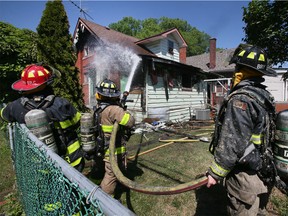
{"x": 55, "y": 48}
{"x": 127, "y": 25}
{"x": 150, "y": 26}
{"x": 17, "y": 49}
{"x": 12, "y": 206}
{"x": 197, "y": 41}
{"x": 267, "y": 27}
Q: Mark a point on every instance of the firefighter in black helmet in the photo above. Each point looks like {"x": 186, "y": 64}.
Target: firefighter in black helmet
{"x": 243, "y": 134}
{"x": 37, "y": 93}
{"x": 111, "y": 111}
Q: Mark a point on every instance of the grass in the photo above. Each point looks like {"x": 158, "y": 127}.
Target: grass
{"x": 175, "y": 164}
{"x": 171, "y": 165}
{"x": 168, "y": 166}
{"x": 7, "y": 174}
{"x": 9, "y": 204}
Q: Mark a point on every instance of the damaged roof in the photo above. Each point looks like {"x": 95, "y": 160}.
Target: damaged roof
{"x": 113, "y": 36}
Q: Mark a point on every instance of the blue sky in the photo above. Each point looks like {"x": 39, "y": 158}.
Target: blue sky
{"x": 219, "y": 19}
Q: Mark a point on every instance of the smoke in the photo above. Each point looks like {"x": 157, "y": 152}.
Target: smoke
{"x": 114, "y": 57}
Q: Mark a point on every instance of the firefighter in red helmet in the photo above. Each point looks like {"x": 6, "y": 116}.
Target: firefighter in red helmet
{"x": 37, "y": 93}
{"x": 110, "y": 110}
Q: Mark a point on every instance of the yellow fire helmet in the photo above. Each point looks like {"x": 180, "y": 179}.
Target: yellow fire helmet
{"x": 107, "y": 89}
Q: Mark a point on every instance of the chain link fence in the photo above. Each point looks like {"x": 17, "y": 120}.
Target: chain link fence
{"x": 48, "y": 185}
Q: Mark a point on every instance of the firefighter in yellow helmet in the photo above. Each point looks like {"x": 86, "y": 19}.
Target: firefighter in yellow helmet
{"x": 243, "y": 136}
{"x": 110, "y": 110}
{"x": 37, "y": 93}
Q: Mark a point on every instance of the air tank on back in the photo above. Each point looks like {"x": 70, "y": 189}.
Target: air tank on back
{"x": 87, "y": 132}
{"x": 38, "y": 123}
{"x": 280, "y": 148}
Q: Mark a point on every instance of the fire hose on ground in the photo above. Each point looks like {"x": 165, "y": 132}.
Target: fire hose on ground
{"x": 156, "y": 190}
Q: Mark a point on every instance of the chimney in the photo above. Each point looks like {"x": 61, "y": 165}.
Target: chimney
{"x": 182, "y": 53}
{"x": 212, "y": 63}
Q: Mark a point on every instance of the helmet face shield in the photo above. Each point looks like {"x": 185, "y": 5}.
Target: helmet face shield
{"x": 252, "y": 57}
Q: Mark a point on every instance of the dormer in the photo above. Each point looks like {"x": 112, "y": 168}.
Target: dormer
{"x": 168, "y": 45}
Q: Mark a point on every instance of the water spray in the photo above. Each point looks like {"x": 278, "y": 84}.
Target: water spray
{"x": 114, "y": 57}
{"x": 135, "y": 61}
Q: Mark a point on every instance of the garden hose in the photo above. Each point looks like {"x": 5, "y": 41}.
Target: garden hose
{"x": 155, "y": 190}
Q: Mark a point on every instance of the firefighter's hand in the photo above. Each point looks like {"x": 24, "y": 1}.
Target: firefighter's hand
{"x": 125, "y": 93}
{"x": 211, "y": 181}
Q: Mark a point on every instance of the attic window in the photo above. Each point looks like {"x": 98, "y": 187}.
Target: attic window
{"x": 170, "y": 47}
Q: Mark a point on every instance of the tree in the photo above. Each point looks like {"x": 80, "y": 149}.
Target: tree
{"x": 55, "y": 48}
{"x": 197, "y": 41}
{"x": 267, "y": 27}
{"x": 127, "y": 25}
{"x": 17, "y": 49}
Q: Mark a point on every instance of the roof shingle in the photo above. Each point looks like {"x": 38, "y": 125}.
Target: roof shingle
{"x": 113, "y": 36}
{"x": 222, "y": 59}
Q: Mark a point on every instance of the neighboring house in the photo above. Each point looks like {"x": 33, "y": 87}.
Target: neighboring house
{"x": 215, "y": 62}
{"x": 153, "y": 70}
{"x": 218, "y": 62}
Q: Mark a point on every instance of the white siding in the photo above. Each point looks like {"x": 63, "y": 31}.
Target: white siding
{"x": 164, "y": 49}
{"x": 160, "y": 48}
{"x": 277, "y": 87}
{"x": 180, "y": 105}
{"x": 155, "y": 47}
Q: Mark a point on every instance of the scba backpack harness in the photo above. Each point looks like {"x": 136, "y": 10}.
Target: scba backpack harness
{"x": 266, "y": 169}
{"x": 92, "y": 136}
{"x": 37, "y": 119}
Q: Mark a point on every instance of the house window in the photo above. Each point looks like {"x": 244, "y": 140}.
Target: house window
{"x": 170, "y": 47}
{"x": 186, "y": 81}
{"x": 199, "y": 86}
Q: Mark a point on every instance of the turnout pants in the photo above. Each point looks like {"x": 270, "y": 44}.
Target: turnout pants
{"x": 247, "y": 194}
{"x": 109, "y": 182}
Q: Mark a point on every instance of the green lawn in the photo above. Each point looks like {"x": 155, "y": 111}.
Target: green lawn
{"x": 9, "y": 204}
{"x": 7, "y": 174}
{"x": 171, "y": 165}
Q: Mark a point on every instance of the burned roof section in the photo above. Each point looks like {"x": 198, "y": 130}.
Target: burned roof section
{"x": 111, "y": 36}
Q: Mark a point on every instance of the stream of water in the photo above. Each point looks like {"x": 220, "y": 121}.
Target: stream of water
{"x": 114, "y": 57}
{"x": 135, "y": 62}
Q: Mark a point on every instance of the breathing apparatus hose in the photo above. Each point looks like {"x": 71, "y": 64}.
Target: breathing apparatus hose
{"x": 155, "y": 190}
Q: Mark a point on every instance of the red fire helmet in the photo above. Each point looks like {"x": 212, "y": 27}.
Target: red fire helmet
{"x": 32, "y": 77}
